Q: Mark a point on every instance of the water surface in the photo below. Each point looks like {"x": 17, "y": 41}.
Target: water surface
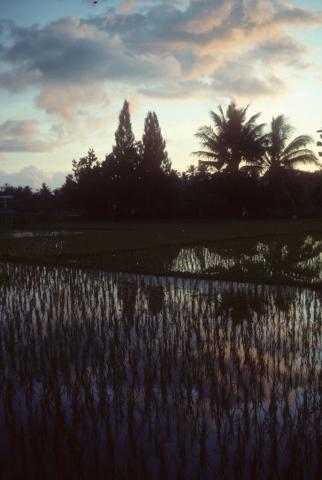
{"x": 296, "y": 260}
{"x": 127, "y": 376}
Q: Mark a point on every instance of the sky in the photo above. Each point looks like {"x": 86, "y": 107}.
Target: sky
{"x": 66, "y": 67}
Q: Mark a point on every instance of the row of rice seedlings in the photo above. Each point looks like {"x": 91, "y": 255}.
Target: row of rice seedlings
{"x": 145, "y": 377}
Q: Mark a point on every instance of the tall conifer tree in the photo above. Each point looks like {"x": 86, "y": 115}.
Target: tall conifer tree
{"x": 124, "y": 158}
{"x": 155, "y": 157}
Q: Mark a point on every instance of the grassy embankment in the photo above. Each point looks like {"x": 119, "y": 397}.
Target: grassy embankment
{"x": 145, "y": 247}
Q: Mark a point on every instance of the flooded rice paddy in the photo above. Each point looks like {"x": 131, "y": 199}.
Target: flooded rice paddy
{"x": 296, "y": 260}
{"x": 293, "y": 259}
{"x": 120, "y": 376}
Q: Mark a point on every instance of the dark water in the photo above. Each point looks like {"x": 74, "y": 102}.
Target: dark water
{"x": 123, "y": 376}
{"x": 297, "y": 260}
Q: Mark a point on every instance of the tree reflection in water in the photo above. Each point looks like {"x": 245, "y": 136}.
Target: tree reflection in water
{"x": 296, "y": 260}
{"x": 119, "y": 376}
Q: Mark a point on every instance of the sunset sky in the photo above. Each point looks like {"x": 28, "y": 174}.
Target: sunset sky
{"x": 67, "y": 65}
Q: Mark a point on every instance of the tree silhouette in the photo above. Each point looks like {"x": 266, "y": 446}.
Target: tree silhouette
{"x": 233, "y": 140}
{"x": 44, "y": 200}
{"x": 85, "y": 165}
{"x": 319, "y": 144}
{"x": 255, "y": 175}
{"x": 120, "y": 169}
{"x": 67, "y": 197}
{"x": 155, "y": 178}
{"x": 280, "y": 155}
{"x": 155, "y": 158}
{"x": 283, "y": 186}
{"x": 88, "y": 179}
{"x": 123, "y": 160}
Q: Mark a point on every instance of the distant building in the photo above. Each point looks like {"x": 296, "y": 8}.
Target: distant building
{"x": 7, "y": 209}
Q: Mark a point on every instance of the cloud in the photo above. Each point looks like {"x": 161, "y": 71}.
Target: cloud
{"x": 126, "y": 6}
{"x": 155, "y": 47}
{"x": 242, "y": 80}
{"x": 204, "y": 24}
{"x": 24, "y": 136}
{"x": 70, "y": 62}
{"x": 68, "y": 51}
{"x": 33, "y": 177}
{"x": 282, "y": 50}
{"x": 67, "y": 102}
{"x": 291, "y": 15}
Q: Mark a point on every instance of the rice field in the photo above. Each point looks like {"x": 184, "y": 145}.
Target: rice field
{"x": 116, "y": 376}
{"x": 294, "y": 259}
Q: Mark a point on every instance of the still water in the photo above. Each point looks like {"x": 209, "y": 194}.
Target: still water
{"x": 127, "y": 376}
{"x": 297, "y": 260}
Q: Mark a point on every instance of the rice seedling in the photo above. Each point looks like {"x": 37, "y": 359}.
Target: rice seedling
{"x": 109, "y": 375}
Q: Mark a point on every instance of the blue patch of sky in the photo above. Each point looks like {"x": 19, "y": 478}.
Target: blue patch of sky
{"x": 314, "y": 4}
{"x": 28, "y": 12}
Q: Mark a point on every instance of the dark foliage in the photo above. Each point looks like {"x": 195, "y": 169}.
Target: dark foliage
{"x": 247, "y": 174}
{"x": 319, "y": 144}
{"x": 233, "y": 140}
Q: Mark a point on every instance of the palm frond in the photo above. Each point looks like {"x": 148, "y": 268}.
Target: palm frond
{"x": 305, "y": 157}
{"x": 252, "y": 120}
{"x": 212, "y": 163}
{"x": 298, "y": 143}
{"x": 232, "y": 139}
{"x": 204, "y": 153}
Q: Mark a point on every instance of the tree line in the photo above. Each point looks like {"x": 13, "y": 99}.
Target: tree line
{"x": 244, "y": 170}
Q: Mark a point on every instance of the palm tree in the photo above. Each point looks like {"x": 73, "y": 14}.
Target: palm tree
{"x": 282, "y": 156}
{"x": 233, "y": 140}
{"x": 285, "y": 190}
{"x": 319, "y": 144}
